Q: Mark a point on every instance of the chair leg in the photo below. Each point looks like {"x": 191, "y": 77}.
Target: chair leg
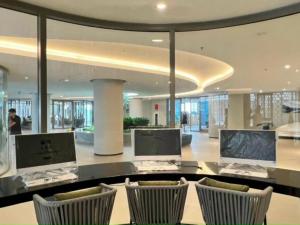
{"x": 265, "y": 220}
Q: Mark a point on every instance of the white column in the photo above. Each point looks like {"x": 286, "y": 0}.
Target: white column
{"x": 108, "y": 116}
{"x": 238, "y": 111}
{"x": 35, "y": 112}
{"x": 136, "y": 107}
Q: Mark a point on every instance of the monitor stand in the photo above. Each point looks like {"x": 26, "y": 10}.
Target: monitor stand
{"x": 48, "y": 177}
{"x": 156, "y": 165}
{"x": 245, "y": 170}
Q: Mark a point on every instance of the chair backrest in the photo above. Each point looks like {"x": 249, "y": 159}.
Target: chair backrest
{"x": 92, "y": 209}
{"x": 156, "y": 204}
{"x": 221, "y": 206}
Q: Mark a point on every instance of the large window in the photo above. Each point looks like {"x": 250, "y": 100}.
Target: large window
{"x": 72, "y": 114}
{"x": 24, "y": 110}
{"x": 18, "y": 53}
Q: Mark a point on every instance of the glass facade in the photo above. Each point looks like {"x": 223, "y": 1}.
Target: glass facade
{"x": 4, "y": 153}
{"x": 23, "y": 109}
{"x": 72, "y": 114}
{"x": 234, "y": 72}
{"x": 197, "y": 111}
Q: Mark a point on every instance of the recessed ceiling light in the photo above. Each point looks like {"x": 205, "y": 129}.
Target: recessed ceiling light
{"x": 260, "y": 91}
{"x": 217, "y": 88}
{"x": 26, "y": 78}
{"x": 157, "y": 40}
{"x": 66, "y": 80}
{"x": 161, "y": 6}
{"x": 287, "y": 66}
{"x": 169, "y": 82}
{"x": 289, "y": 82}
{"x": 297, "y": 70}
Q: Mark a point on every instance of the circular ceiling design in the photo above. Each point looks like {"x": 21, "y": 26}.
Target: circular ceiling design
{"x": 162, "y": 11}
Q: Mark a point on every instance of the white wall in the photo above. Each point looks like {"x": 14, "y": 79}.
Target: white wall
{"x": 136, "y": 107}
{"x": 149, "y": 111}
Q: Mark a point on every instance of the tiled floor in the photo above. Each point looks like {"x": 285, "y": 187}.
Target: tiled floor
{"x": 283, "y": 209}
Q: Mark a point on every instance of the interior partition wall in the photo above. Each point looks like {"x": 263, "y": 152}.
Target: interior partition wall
{"x": 278, "y": 108}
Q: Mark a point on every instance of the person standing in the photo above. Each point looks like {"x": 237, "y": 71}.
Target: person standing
{"x": 184, "y": 120}
{"x": 14, "y": 122}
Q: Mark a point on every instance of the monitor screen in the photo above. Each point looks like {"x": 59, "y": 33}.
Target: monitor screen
{"x": 44, "y": 149}
{"x": 157, "y": 142}
{"x": 248, "y": 144}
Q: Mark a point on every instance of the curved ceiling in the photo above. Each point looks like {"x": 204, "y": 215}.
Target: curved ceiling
{"x": 257, "y": 52}
{"x": 200, "y": 71}
{"x": 177, "y": 11}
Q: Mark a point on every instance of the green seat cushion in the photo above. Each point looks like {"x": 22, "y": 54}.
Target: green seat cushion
{"x": 78, "y": 193}
{"x": 158, "y": 183}
{"x": 218, "y": 184}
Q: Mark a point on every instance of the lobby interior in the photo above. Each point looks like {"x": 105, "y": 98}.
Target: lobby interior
{"x": 110, "y": 66}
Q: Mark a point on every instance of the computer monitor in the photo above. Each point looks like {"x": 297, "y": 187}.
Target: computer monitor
{"x": 36, "y": 152}
{"x": 248, "y": 146}
{"x": 157, "y": 144}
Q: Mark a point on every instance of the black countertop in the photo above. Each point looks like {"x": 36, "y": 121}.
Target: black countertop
{"x": 12, "y": 190}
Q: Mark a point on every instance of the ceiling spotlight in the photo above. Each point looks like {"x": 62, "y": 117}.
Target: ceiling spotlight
{"x": 260, "y": 91}
{"x": 157, "y": 40}
{"x": 287, "y": 66}
{"x": 161, "y": 6}
{"x": 297, "y": 70}
{"x": 26, "y": 78}
{"x": 217, "y": 88}
{"x": 169, "y": 82}
{"x": 66, "y": 80}
{"x": 289, "y": 82}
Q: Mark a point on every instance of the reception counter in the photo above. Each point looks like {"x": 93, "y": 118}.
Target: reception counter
{"x": 12, "y": 190}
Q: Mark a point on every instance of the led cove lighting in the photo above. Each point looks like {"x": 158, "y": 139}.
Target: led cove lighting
{"x": 131, "y": 94}
{"x": 157, "y": 40}
{"x": 161, "y": 6}
{"x": 69, "y": 56}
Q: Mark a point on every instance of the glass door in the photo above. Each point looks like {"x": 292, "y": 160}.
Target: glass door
{"x": 67, "y": 115}
{"x": 195, "y": 115}
{"x": 57, "y": 114}
{"x": 204, "y": 112}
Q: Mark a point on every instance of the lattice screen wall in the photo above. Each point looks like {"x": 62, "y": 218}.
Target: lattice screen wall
{"x": 270, "y": 107}
{"x": 218, "y": 104}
